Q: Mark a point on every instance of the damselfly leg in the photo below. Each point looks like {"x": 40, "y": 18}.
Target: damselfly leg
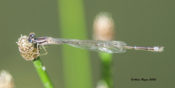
{"x": 32, "y": 39}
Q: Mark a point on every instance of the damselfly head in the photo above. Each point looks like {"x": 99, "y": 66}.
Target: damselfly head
{"x": 31, "y": 37}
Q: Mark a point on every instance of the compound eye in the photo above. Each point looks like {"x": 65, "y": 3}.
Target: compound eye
{"x": 31, "y": 35}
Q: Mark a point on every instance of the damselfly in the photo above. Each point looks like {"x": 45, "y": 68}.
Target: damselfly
{"x": 95, "y": 45}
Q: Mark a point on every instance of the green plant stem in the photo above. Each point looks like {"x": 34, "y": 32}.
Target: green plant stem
{"x": 106, "y": 68}
{"x": 76, "y": 62}
{"x": 42, "y": 73}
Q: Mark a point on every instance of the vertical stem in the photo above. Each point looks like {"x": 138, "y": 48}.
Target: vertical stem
{"x": 76, "y": 66}
{"x": 106, "y": 69}
{"x": 42, "y": 73}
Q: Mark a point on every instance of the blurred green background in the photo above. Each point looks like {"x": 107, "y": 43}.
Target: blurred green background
{"x": 138, "y": 22}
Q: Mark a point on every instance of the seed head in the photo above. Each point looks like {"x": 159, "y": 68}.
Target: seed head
{"x": 6, "y": 80}
{"x": 28, "y": 50}
{"x": 103, "y": 27}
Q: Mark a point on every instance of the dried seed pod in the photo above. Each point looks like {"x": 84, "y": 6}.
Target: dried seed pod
{"x": 103, "y": 27}
{"x": 28, "y": 50}
{"x": 6, "y": 80}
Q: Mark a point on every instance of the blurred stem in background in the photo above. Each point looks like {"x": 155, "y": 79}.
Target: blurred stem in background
{"x": 41, "y": 70}
{"x": 76, "y": 66}
{"x": 104, "y": 30}
{"x": 106, "y": 71}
